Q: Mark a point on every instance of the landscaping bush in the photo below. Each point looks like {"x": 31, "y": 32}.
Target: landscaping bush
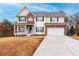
{"x": 72, "y": 31}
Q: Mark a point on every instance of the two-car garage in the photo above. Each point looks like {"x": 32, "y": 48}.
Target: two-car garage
{"x": 56, "y": 29}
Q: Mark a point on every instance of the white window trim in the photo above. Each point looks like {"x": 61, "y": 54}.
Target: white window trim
{"x": 54, "y": 20}
{"x": 39, "y": 19}
{"x": 39, "y": 29}
{"x": 30, "y": 19}
{"x": 22, "y": 19}
{"x": 22, "y": 29}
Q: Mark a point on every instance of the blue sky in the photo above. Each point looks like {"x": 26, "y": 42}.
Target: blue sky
{"x": 9, "y": 10}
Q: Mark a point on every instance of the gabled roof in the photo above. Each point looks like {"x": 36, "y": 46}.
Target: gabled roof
{"x": 24, "y": 11}
{"x": 42, "y": 13}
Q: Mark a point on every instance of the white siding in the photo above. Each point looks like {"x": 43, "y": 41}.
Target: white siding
{"x": 24, "y": 12}
{"x": 30, "y": 19}
{"x": 17, "y": 19}
{"x": 39, "y": 32}
{"x": 23, "y": 32}
{"x": 39, "y": 24}
{"x": 61, "y": 20}
{"x": 48, "y": 20}
{"x": 54, "y": 20}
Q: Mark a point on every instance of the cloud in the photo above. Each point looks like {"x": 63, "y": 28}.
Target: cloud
{"x": 41, "y": 7}
{"x": 14, "y": 4}
{"x": 9, "y": 10}
{"x": 71, "y": 9}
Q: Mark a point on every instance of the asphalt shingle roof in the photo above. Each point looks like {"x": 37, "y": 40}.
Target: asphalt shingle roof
{"x": 43, "y": 13}
{"x": 49, "y": 14}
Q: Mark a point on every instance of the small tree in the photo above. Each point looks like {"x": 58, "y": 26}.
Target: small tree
{"x": 7, "y": 29}
{"x": 72, "y": 31}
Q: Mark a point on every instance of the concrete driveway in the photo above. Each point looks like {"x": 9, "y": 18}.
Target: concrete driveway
{"x": 58, "y": 45}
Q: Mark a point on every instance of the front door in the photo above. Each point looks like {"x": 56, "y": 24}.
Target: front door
{"x": 29, "y": 28}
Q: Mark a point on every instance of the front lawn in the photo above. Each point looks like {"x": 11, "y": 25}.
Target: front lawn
{"x": 19, "y": 46}
{"x": 75, "y": 37}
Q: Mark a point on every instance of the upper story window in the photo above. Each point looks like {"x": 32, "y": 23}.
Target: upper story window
{"x": 40, "y": 19}
{"x": 30, "y": 19}
{"x": 52, "y": 19}
{"x": 55, "y": 19}
{"x": 22, "y": 19}
{"x": 61, "y": 19}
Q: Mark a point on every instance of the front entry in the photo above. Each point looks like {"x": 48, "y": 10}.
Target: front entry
{"x": 29, "y": 28}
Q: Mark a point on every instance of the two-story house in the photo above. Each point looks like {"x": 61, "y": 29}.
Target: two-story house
{"x": 40, "y": 23}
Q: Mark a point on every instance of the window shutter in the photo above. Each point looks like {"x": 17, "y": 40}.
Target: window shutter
{"x": 19, "y": 18}
{"x": 57, "y": 19}
{"x": 19, "y": 29}
{"x": 42, "y": 29}
{"x": 36, "y": 18}
{"x": 36, "y": 29}
{"x": 43, "y": 18}
{"x": 25, "y": 18}
{"x": 50, "y": 19}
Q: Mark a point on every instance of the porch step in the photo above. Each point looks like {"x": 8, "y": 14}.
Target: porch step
{"x": 29, "y": 34}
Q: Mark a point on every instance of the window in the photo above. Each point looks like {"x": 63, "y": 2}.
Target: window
{"x": 61, "y": 20}
{"x": 22, "y": 19}
{"x": 30, "y": 19}
{"x": 39, "y": 19}
{"x": 39, "y": 29}
{"x": 48, "y": 19}
{"x": 52, "y": 19}
{"x": 21, "y": 29}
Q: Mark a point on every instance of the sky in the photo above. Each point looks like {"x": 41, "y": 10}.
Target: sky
{"x": 10, "y": 10}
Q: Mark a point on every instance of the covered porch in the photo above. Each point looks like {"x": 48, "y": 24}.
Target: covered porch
{"x": 23, "y": 29}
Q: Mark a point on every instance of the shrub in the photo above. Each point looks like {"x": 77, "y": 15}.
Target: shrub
{"x": 72, "y": 31}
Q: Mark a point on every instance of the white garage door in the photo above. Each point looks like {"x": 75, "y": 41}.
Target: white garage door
{"x": 55, "y": 31}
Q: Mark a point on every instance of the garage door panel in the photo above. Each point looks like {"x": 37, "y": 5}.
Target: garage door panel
{"x": 55, "y": 31}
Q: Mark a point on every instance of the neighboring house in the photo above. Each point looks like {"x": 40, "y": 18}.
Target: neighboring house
{"x": 69, "y": 22}
{"x": 40, "y": 23}
{"x": 73, "y": 20}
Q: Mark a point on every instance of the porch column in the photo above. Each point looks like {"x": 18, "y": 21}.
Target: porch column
{"x": 17, "y": 30}
{"x": 25, "y": 30}
{"x": 32, "y": 29}
{"x": 14, "y": 29}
